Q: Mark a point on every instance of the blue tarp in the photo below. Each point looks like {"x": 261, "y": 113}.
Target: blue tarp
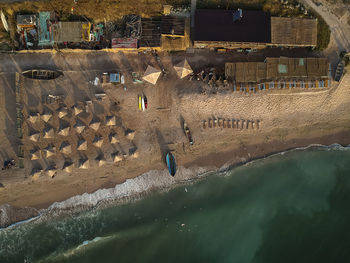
{"x": 114, "y": 78}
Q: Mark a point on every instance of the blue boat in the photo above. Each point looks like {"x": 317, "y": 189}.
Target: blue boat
{"x": 171, "y": 163}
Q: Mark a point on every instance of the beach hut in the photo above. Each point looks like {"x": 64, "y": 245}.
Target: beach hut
{"x": 95, "y": 124}
{"x": 113, "y": 138}
{"x": 49, "y": 151}
{"x": 82, "y": 145}
{"x": 48, "y": 133}
{"x": 84, "y": 164}
{"x": 33, "y": 117}
{"x": 68, "y": 166}
{"x": 152, "y": 75}
{"x": 98, "y": 141}
{"x": 34, "y": 136}
{"x": 66, "y": 148}
{"x": 183, "y": 69}
{"x": 100, "y": 160}
{"x": 76, "y": 109}
{"x": 46, "y": 116}
{"x": 64, "y": 131}
{"x": 116, "y": 157}
{"x": 79, "y": 127}
{"x": 130, "y": 134}
{"x": 62, "y": 112}
{"x": 34, "y": 154}
{"x": 110, "y": 121}
{"x": 36, "y": 173}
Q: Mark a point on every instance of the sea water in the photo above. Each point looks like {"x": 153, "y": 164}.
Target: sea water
{"x": 291, "y": 207}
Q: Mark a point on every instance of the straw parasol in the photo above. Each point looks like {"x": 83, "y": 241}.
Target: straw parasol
{"x": 113, "y": 138}
{"x": 33, "y": 117}
{"x": 36, "y": 173}
{"x": 66, "y": 148}
{"x": 116, "y": 157}
{"x": 133, "y": 153}
{"x": 183, "y": 69}
{"x": 151, "y": 75}
{"x": 82, "y": 145}
{"x": 68, "y": 167}
{"x": 100, "y": 160}
{"x": 110, "y": 121}
{"x": 130, "y": 134}
{"x": 64, "y": 131}
{"x": 34, "y": 136}
{"x": 46, "y": 116}
{"x": 62, "y": 112}
{"x": 79, "y": 127}
{"x": 49, "y": 151}
{"x": 76, "y": 109}
{"x": 95, "y": 124}
{"x": 35, "y": 154}
{"x": 51, "y": 172}
{"x": 98, "y": 141}
{"x": 84, "y": 164}
{"x": 48, "y": 133}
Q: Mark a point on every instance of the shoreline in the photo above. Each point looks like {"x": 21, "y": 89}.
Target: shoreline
{"x": 158, "y": 181}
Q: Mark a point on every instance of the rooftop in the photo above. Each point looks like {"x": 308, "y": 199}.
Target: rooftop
{"x": 219, "y": 25}
{"x": 293, "y": 31}
{"x": 150, "y": 36}
{"x": 172, "y": 25}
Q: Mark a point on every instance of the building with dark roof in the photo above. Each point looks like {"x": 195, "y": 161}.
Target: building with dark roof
{"x": 215, "y": 28}
{"x": 150, "y": 34}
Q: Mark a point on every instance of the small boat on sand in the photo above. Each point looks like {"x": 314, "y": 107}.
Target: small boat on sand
{"x": 171, "y": 163}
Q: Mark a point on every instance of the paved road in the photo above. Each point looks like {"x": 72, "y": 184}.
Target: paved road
{"x": 340, "y": 31}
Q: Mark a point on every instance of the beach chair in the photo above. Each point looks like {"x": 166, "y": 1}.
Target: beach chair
{"x": 204, "y": 124}
{"x": 224, "y": 123}
{"x": 228, "y": 123}
{"x": 253, "y": 124}
{"x": 210, "y": 123}
{"x": 215, "y": 123}
{"x": 233, "y": 123}
{"x": 247, "y": 126}
{"x": 237, "y": 124}
{"x": 242, "y": 126}
{"x": 258, "y": 123}
{"x": 220, "y": 122}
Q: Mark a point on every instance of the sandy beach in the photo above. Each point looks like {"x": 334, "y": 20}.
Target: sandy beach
{"x": 288, "y": 119}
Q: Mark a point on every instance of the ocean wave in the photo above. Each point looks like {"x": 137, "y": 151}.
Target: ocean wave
{"x": 136, "y": 188}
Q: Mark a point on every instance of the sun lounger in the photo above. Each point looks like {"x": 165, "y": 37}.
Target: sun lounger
{"x": 237, "y": 124}
{"x": 215, "y": 123}
{"x": 242, "y": 126}
{"x": 247, "y": 126}
{"x": 210, "y": 123}
{"x": 258, "y": 123}
{"x": 253, "y": 124}
{"x": 220, "y": 123}
{"x": 228, "y": 123}
{"x": 224, "y": 123}
{"x": 204, "y": 124}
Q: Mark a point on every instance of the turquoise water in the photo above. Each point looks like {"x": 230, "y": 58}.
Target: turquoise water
{"x": 287, "y": 208}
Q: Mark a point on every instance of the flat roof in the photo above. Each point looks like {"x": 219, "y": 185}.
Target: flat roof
{"x": 293, "y": 31}
{"x": 218, "y": 25}
{"x": 150, "y": 36}
{"x": 172, "y": 25}
{"x": 67, "y": 32}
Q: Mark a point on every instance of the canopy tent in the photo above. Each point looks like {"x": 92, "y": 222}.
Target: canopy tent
{"x": 110, "y": 121}
{"x": 79, "y": 127}
{"x": 183, "y": 69}
{"x": 62, "y": 112}
{"x": 33, "y": 117}
{"x": 113, "y": 138}
{"x": 66, "y": 148}
{"x": 95, "y": 124}
{"x": 64, "y": 131}
{"x": 84, "y": 164}
{"x": 48, "y": 133}
{"x": 98, "y": 141}
{"x": 34, "y": 136}
{"x": 82, "y": 145}
{"x": 35, "y": 154}
{"x": 49, "y": 151}
{"x": 46, "y": 116}
{"x": 151, "y": 75}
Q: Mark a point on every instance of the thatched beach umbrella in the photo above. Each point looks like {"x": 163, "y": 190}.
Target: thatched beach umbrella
{"x": 35, "y": 154}
{"x": 82, "y": 145}
{"x": 66, "y": 148}
{"x": 84, "y": 164}
{"x": 100, "y": 160}
{"x": 64, "y": 131}
{"x": 49, "y": 151}
{"x": 33, "y": 117}
{"x": 113, "y": 138}
{"x": 117, "y": 157}
{"x": 79, "y": 127}
{"x": 76, "y": 109}
{"x": 62, "y": 112}
{"x": 95, "y": 124}
{"x": 68, "y": 167}
{"x": 130, "y": 134}
{"x": 34, "y": 136}
{"x": 98, "y": 141}
{"x": 183, "y": 69}
{"x": 36, "y": 173}
{"x": 51, "y": 172}
{"x": 152, "y": 75}
{"x": 46, "y": 116}
{"x": 48, "y": 133}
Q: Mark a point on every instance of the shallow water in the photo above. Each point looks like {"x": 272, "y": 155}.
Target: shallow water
{"x": 287, "y": 208}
